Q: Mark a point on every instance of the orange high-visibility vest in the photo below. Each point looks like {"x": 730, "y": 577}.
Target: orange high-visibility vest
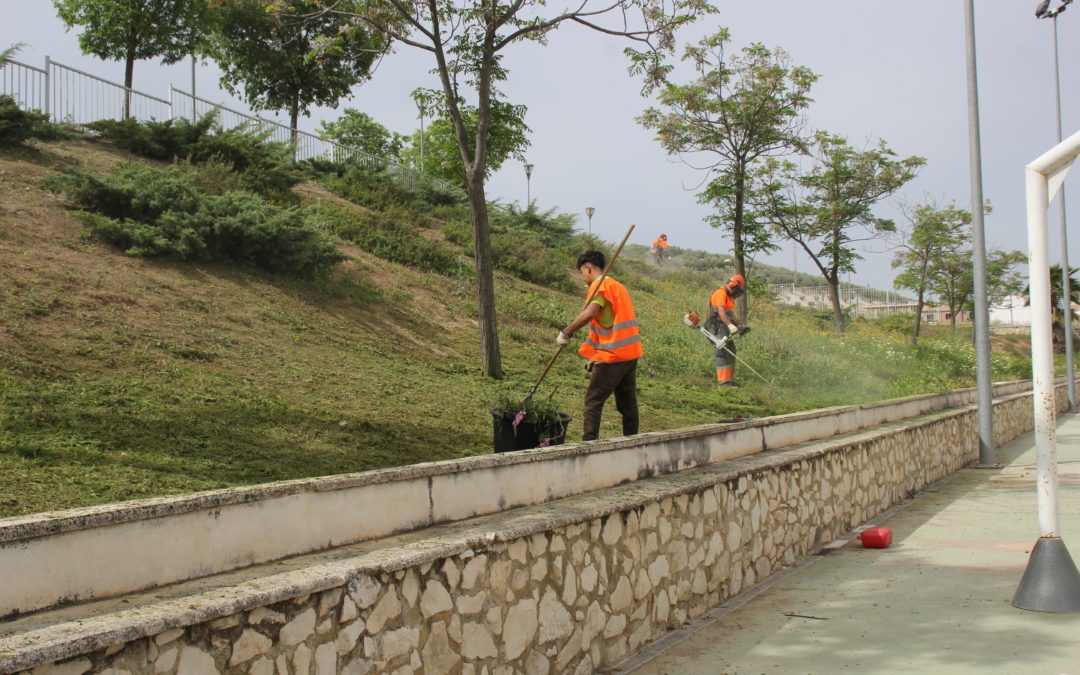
{"x": 621, "y": 342}
{"x": 721, "y": 298}
{"x": 659, "y": 243}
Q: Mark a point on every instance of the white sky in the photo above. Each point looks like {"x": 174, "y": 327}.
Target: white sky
{"x": 892, "y": 70}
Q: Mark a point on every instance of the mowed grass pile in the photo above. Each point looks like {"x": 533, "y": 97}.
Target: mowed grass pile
{"x": 125, "y": 377}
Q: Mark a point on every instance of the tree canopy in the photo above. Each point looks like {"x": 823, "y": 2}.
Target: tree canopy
{"x": 507, "y": 138}
{"x": 467, "y": 41}
{"x": 289, "y": 59}
{"x": 129, "y": 30}
{"x": 359, "y": 130}
{"x": 737, "y": 109}
{"x": 825, "y": 206}
{"x": 932, "y": 235}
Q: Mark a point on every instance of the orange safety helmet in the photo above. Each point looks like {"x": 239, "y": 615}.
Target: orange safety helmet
{"x": 738, "y": 279}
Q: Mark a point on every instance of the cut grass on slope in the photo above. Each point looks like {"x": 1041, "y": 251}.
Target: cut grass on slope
{"x": 124, "y": 378}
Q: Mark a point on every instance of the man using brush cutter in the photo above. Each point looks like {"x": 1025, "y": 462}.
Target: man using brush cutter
{"x": 612, "y": 347}
{"x": 722, "y": 323}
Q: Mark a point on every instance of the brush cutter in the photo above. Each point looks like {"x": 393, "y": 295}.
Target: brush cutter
{"x": 693, "y": 320}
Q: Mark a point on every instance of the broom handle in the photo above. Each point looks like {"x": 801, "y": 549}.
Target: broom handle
{"x": 592, "y": 294}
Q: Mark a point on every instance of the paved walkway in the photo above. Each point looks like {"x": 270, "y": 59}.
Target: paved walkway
{"x": 937, "y": 601}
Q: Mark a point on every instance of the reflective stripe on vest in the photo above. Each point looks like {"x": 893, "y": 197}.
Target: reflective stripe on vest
{"x": 614, "y": 327}
{"x": 620, "y": 342}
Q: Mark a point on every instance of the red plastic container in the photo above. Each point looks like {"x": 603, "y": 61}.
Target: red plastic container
{"x": 876, "y": 537}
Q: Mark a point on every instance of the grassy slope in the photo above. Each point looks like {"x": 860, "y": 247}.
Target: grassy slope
{"x": 123, "y": 378}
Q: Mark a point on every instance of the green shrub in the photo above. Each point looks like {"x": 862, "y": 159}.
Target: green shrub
{"x": 459, "y": 232}
{"x": 18, "y": 125}
{"x": 152, "y": 213}
{"x": 263, "y": 166}
{"x": 164, "y": 141}
{"x": 526, "y": 259}
{"x": 391, "y": 236}
{"x": 377, "y": 185}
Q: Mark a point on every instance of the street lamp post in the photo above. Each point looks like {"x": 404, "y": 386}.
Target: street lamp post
{"x": 1043, "y": 12}
{"x": 983, "y": 384}
{"x": 589, "y": 211}
{"x": 528, "y": 179}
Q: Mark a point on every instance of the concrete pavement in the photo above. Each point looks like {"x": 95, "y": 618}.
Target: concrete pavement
{"x": 937, "y": 601}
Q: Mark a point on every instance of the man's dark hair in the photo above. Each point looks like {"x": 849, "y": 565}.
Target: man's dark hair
{"x": 593, "y": 258}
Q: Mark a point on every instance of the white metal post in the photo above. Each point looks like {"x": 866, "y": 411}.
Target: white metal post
{"x": 1042, "y": 354}
{"x": 1051, "y": 581}
{"x": 48, "y": 87}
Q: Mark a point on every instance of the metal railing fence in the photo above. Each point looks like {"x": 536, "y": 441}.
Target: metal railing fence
{"x": 868, "y": 302}
{"x": 69, "y": 95}
{"x": 77, "y": 97}
{"x": 26, "y": 84}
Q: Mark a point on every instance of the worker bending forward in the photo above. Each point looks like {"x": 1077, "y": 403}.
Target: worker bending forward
{"x": 722, "y": 322}
{"x": 612, "y": 347}
{"x": 659, "y": 249}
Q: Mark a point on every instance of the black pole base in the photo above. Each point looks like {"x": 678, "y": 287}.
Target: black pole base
{"x": 1051, "y": 582}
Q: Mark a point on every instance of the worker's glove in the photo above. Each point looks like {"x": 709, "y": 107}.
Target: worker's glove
{"x": 732, "y": 329}
{"x": 691, "y": 319}
{"x": 563, "y": 339}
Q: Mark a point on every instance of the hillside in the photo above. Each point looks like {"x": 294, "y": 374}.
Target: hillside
{"x": 125, "y": 377}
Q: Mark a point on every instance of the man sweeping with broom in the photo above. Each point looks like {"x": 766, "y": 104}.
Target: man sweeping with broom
{"x": 612, "y": 347}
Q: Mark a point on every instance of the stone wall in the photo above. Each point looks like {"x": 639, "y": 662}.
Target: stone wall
{"x": 570, "y": 586}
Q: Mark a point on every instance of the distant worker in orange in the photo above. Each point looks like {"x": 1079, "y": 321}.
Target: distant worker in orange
{"x": 612, "y": 347}
{"x": 721, "y": 322}
{"x": 659, "y": 249}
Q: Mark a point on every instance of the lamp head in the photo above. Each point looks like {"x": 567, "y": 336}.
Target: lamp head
{"x": 589, "y": 211}
{"x": 528, "y": 170}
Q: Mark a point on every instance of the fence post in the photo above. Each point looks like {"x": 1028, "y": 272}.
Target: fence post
{"x": 48, "y": 86}
{"x": 172, "y": 113}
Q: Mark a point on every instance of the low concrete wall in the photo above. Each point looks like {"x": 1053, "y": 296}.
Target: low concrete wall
{"x": 566, "y": 587}
{"x": 99, "y": 552}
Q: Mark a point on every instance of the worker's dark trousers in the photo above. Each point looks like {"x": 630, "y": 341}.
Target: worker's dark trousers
{"x": 619, "y": 378}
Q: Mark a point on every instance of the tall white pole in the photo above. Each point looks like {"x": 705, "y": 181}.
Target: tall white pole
{"x": 1051, "y": 581}
{"x": 1066, "y": 291}
{"x": 1042, "y": 354}
{"x": 983, "y": 374}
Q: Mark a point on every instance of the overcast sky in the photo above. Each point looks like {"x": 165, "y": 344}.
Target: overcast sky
{"x": 891, "y": 70}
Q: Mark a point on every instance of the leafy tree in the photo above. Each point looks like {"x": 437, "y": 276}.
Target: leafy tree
{"x": 823, "y": 207}
{"x": 737, "y": 110}
{"x": 7, "y": 54}
{"x": 129, "y": 30}
{"x": 468, "y": 40}
{"x": 288, "y": 59}
{"x": 932, "y": 233}
{"x": 508, "y": 137}
{"x": 1057, "y": 306}
{"x": 359, "y": 130}
{"x": 952, "y": 277}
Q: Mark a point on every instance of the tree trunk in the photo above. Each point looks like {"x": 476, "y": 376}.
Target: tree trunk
{"x": 737, "y": 242}
{"x": 294, "y": 119}
{"x": 918, "y": 317}
{"x": 834, "y": 296}
{"x": 485, "y": 278}
{"x": 129, "y": 78}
